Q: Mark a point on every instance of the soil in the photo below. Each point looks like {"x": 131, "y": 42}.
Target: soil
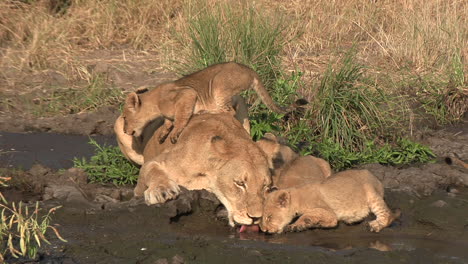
{"x": 106, "y": 224}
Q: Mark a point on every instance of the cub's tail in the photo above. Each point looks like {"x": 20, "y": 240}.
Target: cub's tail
{"x": 456, "y": 161}
{"x": 258, "y": 87}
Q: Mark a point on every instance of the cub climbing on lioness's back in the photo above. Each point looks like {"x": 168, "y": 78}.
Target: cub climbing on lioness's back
{"x": 209, "y": 90}
{"x": 347, "y": 196}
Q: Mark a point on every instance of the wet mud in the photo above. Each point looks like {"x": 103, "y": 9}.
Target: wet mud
{"x": 106, "y": 224}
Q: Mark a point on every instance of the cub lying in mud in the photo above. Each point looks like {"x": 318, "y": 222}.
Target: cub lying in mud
{"x": 347, "y": 196}
{"x": 291, "y": 169}
{"x": 208, "y": 90}
{"x": 214, "y": 153}
{"x": 132, "y": 147}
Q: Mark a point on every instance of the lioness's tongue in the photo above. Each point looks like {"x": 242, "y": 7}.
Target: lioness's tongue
{"x": 249, "y": 229}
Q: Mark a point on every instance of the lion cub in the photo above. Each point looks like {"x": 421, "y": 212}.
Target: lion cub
{"x": 208, "y": 90}
{"x": 291, "y": 169}
{"x": 347, "y": 196}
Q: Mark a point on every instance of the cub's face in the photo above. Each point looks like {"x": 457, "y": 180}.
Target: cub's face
{"x": 276, "y": 212}
{"x": 135, "y": 115}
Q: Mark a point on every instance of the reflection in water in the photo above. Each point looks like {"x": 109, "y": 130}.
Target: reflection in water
{"x": 332, "y": 244}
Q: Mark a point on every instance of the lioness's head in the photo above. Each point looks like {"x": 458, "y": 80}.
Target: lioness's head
{"x": 136, "y": 114}
{"x": 277, "y": 212}
{"x": 242, "y": 180}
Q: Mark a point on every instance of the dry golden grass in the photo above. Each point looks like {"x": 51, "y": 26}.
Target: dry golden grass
{"x": 419, "y": 35}
{"x": 32, "y": 36}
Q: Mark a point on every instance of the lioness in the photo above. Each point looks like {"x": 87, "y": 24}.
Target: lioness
{"x": 208, "y": 90}
{"x": 132, "y": 147}
{"x": 347, "y": 196}
{"x": 213, "y": 153}
{"x": 291, "y": 169}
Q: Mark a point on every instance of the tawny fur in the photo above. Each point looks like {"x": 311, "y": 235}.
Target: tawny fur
{"x": 347, "y": 196}
{"x": 215, "y": 153}
{"x": 209, "y": 90}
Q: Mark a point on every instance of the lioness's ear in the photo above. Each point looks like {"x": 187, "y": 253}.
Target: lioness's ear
{"x": 283, "y": 199}
{"x": 220, "y": 145}
{"x": 132, "y": 102}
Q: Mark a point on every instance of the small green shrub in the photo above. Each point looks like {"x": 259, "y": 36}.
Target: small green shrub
{"x": 344, "y": 123}
{"x": 108, "y": 165}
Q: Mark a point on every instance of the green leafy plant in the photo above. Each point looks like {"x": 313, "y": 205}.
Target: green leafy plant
{"x": 403, "y": 152}
{"x": 22, "y": 229}
{"x": 108, "y": 165}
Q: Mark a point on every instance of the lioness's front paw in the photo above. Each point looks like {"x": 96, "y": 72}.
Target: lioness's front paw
{"x": 374, "y": 226}
{"x": 160, "y": 193}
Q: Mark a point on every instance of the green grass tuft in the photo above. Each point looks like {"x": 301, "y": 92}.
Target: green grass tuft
{"x": 346, "y": 110}
{"x": 22, "y": 230}
{"x": 225, "y": 32}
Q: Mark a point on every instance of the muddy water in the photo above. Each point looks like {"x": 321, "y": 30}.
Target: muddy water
{"x": 22, "y": 150}
{"x": 142, "y": 234}
{"x": 433, "y": 229}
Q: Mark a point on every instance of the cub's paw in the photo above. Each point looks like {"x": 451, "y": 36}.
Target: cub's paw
{"x": 161, "y": 192}
{"x": 375, "y": 226}
{"x": 175, "y": 136}
{"x": 296, "y": 227}
{"x": 162, "y": 136}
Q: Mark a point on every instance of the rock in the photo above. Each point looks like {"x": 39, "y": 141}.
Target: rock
{"x": 65, "y": 193}
{"x": 37, "y": 170}
{"x": 422, "y": 180}
{"x": 76, "y": 175}
{"x": 439, "y": 203}
{"x": 161, "y": 261}
{"x": 177, "y": 260}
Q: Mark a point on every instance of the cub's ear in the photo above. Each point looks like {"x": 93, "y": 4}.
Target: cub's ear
{"x": 283, "y": 199}
{"x": 220, "y": 145}
{"x": 132, "y": 102}
{"x": 272, "y": 189}
{"x": 270, "y": 136}
{"x": 142, "y": 89}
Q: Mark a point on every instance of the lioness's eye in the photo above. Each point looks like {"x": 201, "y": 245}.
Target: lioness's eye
{"x": 240, "y": 183}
